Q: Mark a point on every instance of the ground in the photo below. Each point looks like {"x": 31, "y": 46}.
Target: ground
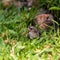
{"x": 14, "y": 43}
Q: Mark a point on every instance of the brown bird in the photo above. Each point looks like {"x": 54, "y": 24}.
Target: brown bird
{"x": 32, "y": 32}
{"x": 44, "y": 21}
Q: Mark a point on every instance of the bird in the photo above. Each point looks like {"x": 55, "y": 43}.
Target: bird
{"x": 44, "y": 21}
{"x": 32, "y": 32}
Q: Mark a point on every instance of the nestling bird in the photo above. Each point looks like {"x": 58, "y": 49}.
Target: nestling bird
{"x": 44, "y": 21}
{"x": 32, "y": 32}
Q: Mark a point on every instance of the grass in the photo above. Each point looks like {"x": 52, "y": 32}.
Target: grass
{"x": 14, "y": 44}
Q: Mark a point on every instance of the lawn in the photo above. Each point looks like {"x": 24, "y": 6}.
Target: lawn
{"x": 14, "y": 41}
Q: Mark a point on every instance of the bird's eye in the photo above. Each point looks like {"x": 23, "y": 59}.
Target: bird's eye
{"x": 47, "y": 17}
